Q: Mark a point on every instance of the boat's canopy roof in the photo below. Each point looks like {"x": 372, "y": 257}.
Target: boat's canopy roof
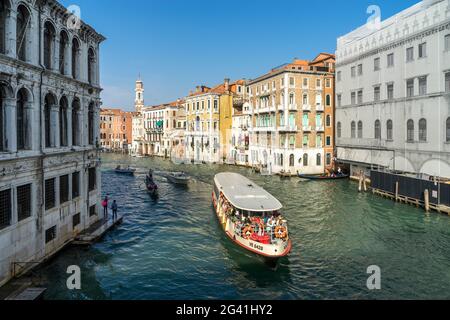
{"x": 243, "y": 194}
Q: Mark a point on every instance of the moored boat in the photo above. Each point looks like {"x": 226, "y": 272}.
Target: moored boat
{"x": 250, "y": 216}
{"x": 126, "y": 171}
{"x": 178, "y": 178}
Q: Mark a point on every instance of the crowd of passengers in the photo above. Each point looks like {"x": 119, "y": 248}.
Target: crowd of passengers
{"x": 264, "y": 227}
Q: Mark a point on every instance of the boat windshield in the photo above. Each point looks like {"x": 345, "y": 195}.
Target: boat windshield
{"x": 263, "y": 227}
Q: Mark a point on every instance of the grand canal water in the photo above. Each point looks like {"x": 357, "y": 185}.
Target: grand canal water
{"x": 173, "y": 248}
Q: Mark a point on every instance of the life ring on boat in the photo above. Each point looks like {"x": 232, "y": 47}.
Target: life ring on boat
{"x": 247, "y": 232}
{"x": 280, "y": 232}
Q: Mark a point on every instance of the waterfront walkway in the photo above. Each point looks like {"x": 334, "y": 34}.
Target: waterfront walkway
{"x": 97, "y": 231}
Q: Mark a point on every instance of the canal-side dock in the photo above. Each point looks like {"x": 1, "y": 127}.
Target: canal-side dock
{"x": 96, "y": 231}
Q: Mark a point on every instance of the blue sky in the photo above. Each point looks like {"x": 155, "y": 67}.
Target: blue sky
{"x": 178, "y": 44}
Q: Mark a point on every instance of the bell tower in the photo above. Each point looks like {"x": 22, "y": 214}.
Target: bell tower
{"x": 139, "y": 101}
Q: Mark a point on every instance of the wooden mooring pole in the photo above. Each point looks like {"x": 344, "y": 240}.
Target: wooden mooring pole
{"x": 396, "y": 191}
{"x": 427, "y": 200}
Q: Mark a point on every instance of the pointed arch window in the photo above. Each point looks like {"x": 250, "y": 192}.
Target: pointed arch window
{"x": 22, "y": 27}
{"x": 447, "y": 124}
{"x": 75, "y": 58}
{"x": 22, "y": 99}
{"x": 422, "y": 130}
{"x": 63, "y": 45}
{"x": 91, "y": 115}
{"x": 410, "y": 131}
{"x": 389, "y": 130}
{"x": 4, "y": 11}
{"x": 353, "y": 130}
{"x": 49, "y": 44}
{"x": 377, "y": 129}
{"x": 49, "y": 103}
{"x": 91, "y": 66}
{"x": 76, "y": 141}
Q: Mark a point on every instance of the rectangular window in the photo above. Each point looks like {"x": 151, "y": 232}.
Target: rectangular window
{"x": 328, "y": 83}
{"x": 50, "y": 200}
{"x": 377, "y": 94}
{"x": 447, "y": 82}
{"x": 390, "y": 91}
{"x": 64, "y": 189}
{"x": 422, "y": 86}
{"x": 390, "y": 60}
{"x": 447, "y": 42}
{"x": 328, "y": 141}
{"x": 410, "y": 88}
{"x": 291, "y": 81}
{"x": 360, "y": 96}
{"x": 353, "y": 72}
{"x": 5, "y": 208}
{"x": 353, "y": 98}
{"x": 92, "y": 173}
{"x": 339, "y": 76}
{"x": 76, "y": 220}
{"x": 319, "y": 141}
{"x": 376, "y": 64}
{"x": 305, "y": 83}
{"x": 24, "y": 202}
{"x": 423, "y": 50}
{"x": 339, "y": 100}
{"x": 318, "y": 84}
{"x": 305, "y": 140}
{"x": 92, "y": 211}
{"x": 360, "y": 70}
{"x": 409, "y": 54}
{"x": 50, "y": 234}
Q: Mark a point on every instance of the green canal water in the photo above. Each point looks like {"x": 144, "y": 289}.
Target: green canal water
{"x": 173, "y": 248}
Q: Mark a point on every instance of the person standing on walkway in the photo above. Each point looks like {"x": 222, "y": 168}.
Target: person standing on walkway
{"x": 105, "y": 208}
{"x": 114, "y": 210}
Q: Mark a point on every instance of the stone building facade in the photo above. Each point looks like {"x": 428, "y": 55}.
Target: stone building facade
{"x": 393, "y": 93}
{"x": 116, "y": 130}
{"x": 49, "y": 126}
{"x": 292, "y": 110}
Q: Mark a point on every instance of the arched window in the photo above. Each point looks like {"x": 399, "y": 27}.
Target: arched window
{"x": 91, "y": 66}
{"x": 360, "y": 130}
{"x": 2, "y": 122}
{"x": 328, "y": 100}
{"x": 292, "y": 161}
{"x": 353, "y": 130}
{"x": 339, "y": 130}
{"x": 63, "y": 105}
{"x": 377, "y": 129}
{"x": 410, "y": 131}
{"x": 422, "y": 130}
{"x": 49, "y": 104}
{"x": 63, "y": 45}
{"x": 22, "y": 27}
{"x": 448, "y": 129}
{"x": 197, "y": 124}
{"x": 22, "y": 126}
{"x": 328, "y": 120}
{"x": 91, "y": 115}
{"x": 319, "y": 160}
{"x": 281, "y": 160}
{"x": 305, "y": 99}
{"x": 305, "y": 160}
{"x": 49, "y": 44}
{"x": 389, "y": 130}
{"x": 75, "y": 58}
{"x": 4, "y": 11}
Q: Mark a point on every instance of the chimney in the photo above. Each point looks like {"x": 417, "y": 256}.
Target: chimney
{"x": 227, "y": 84}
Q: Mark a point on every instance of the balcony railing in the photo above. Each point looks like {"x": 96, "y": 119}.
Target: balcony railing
{"x": 293, "y": 107}
{"x": 288, "y": 128}
{"x": 361, "y": 142}
{"x": 306, "y": 107}
{"x": 320, "y": 128}
{"x": 307, "y": 128}
{"x": 320, "y": 108}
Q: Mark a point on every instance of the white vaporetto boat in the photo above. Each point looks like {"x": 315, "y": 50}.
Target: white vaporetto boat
{"x": 250, "y": 216}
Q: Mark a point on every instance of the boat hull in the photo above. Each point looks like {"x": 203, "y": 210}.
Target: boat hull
{"x": 127, "y": 173}
{"x": 179, "y": 181}
{"x": 269, "y": 253}
{"x": 320, "y": 178}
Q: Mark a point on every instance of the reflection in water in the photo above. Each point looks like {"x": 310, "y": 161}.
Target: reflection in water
{"x": 173, "y": 248}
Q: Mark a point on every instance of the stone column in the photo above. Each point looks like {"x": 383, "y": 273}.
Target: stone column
{"x": 54, "y": 127}
{"x": 10, "y": 124}
{"x": 68, "y": 60}
{"x": 29, "y": 121}
{"x": 55, "y": 52}
{"x": 79, "y": 133}
{"x": 10, "y": 33}
{"x": 69, "y": 126}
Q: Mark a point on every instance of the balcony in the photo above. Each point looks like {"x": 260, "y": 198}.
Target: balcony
{"x": 306, "y": 107}
{"x": 360, "y": 142}
{"x": 288, "y": 128}
{"x": 263, "y": 129}
{"x": 320, "y": 129}
{"x": 293, "y": 107}
{"x": 307, "y": 129}
{"x": 266, "y": 109}
{"x": 320, "y": 108}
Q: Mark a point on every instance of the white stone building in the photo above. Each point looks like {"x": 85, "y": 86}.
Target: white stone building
{"x": 49, "y": 129}
{"x": 138, "y": 132}
{"x": 393, "y": 93}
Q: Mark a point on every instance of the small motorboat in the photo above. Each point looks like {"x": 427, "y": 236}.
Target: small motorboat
{"x": 127, "y": 171}
{"x": 320, "y": 178}
{"x": 152, "y": 187}
{"x": 178, "y": 178}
